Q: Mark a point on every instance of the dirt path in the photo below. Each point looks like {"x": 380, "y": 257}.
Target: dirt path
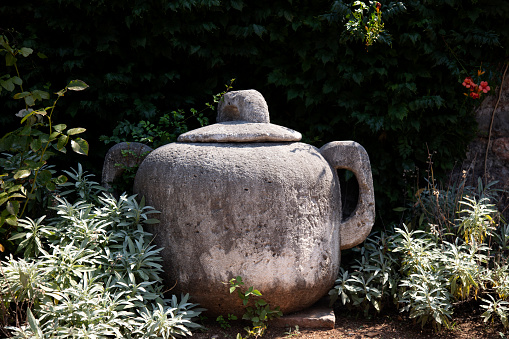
{"x": 468, "y": 325}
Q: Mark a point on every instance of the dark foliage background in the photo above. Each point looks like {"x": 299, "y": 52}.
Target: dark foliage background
{"x": 400, "y": 98}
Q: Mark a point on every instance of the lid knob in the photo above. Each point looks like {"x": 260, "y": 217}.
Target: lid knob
{"x": 247, "y": 105}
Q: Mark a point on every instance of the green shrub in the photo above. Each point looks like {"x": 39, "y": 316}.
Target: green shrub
{"x": 27, "y": 181}
{"x": 425, "y": 272}
{"x": 91, "y": 272}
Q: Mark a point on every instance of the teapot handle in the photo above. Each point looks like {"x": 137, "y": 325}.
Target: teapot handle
{"x": 352, "y": 156}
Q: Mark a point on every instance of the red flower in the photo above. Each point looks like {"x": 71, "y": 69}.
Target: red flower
{"x": 474, "y": 95}
{"x": 468, "y": 82}
{"x": 378, "y": 6}
{"x": 484, "y": 87}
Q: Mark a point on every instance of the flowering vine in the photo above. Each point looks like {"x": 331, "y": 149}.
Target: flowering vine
{"x": 367, "y": 28}
{"x": 475, "y": 91}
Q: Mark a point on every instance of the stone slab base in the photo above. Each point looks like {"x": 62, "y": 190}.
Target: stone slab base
{"x": 317, "y": 316}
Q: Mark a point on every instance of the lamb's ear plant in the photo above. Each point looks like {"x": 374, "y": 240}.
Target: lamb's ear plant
{"x": 373, "y": 278}
{"x": 425, "y": 270}
{"x": 91, "y": 271}
{"x": 495, "y": 308}
{"x": 476, "y": 220}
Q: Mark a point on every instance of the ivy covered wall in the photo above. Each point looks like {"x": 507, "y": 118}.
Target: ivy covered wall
{"x": 400, "y": 97}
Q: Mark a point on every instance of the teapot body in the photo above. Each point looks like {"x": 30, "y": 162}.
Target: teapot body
{"x": 269, "y": 212}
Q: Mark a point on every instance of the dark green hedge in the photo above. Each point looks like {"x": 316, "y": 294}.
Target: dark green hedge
{"x": 143, "y": 58}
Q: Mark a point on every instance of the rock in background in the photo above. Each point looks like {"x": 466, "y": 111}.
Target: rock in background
{"x": 493, "y": 135}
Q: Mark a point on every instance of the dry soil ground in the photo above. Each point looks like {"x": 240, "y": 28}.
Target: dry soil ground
{"x": 467, "y": 325}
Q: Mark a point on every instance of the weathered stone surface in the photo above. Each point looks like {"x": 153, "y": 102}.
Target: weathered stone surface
{"x": 352, "y": 156}
{"x": 500, "y": 147}
{"x": 243, "y": 116}
{"x": 267, "y": 212}
{"x": 128, "y": 154}
{"x": 247, "y": 105}
{"x": 320, "y": 315}
{"x": 234, "y": 131}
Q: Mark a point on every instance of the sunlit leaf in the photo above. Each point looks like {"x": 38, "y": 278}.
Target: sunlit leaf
{"x": 74, "y": 131}
{"x": 12, "y": 220}
{"x": 60, "y": 127}
{"x": 80, "y": 146}
{"x": 22, "y": 174}
{"x": 77, "y": 85}
{"x": 61, "y": 179}
{"x": 12, "y": 207}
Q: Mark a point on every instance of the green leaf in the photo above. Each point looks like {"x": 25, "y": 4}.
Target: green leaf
{"x": 60, "y": 127}
{"x": 261, "y": 302}
{"x": 25, "y": 51}
{"x": 51, "y": 186}
{"x": 33, "y": 324}
{"x": 21, "y": 95}
{"x": 36, "y": 145}
{"x": 26, "y": 117}
{"x": 53, "y": 136}
{"x": 33, "y": 165}
{"x": 259, "y": 30}
{"x": 42, "y": 111}
{"x": 358, "y": 77}
{"x": 74, "y": 131}
{"x": 12, "y": 207}
{"x": 62, "y": 142}
{"x": 5, "y": 44}
{"x": 12, "y": 220}
{"x": 40, "y": 95}
{"x": 61, "y": 179}
{"x": 44, "y": 176}
{"x": 238, "y": 5}
{"x": 399, "y": 111}
{"x": 17, "y": 81}
{"x": 151, "y": 221}
{"x": 41, "y": 55}
{"x": 15, "y": 188}
{"x": 20, "y": 174}
{"x": 80, "y": 146}
{"x": 258, "y": 293}
{"x": 77, "y": 85}
{"x": 10, "y": 60}
{"x": 7, "y": 84}
{"x": 18, "y": 236}
{"x": 29, "y": 100}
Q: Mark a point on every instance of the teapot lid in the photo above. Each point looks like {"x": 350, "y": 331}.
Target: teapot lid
{"x": 242, "y": 116}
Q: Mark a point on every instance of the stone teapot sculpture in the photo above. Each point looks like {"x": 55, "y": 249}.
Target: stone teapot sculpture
{"x": 245, "y": 197}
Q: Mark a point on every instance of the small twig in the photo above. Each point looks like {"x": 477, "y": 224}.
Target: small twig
{"x": 491, "y": 126}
